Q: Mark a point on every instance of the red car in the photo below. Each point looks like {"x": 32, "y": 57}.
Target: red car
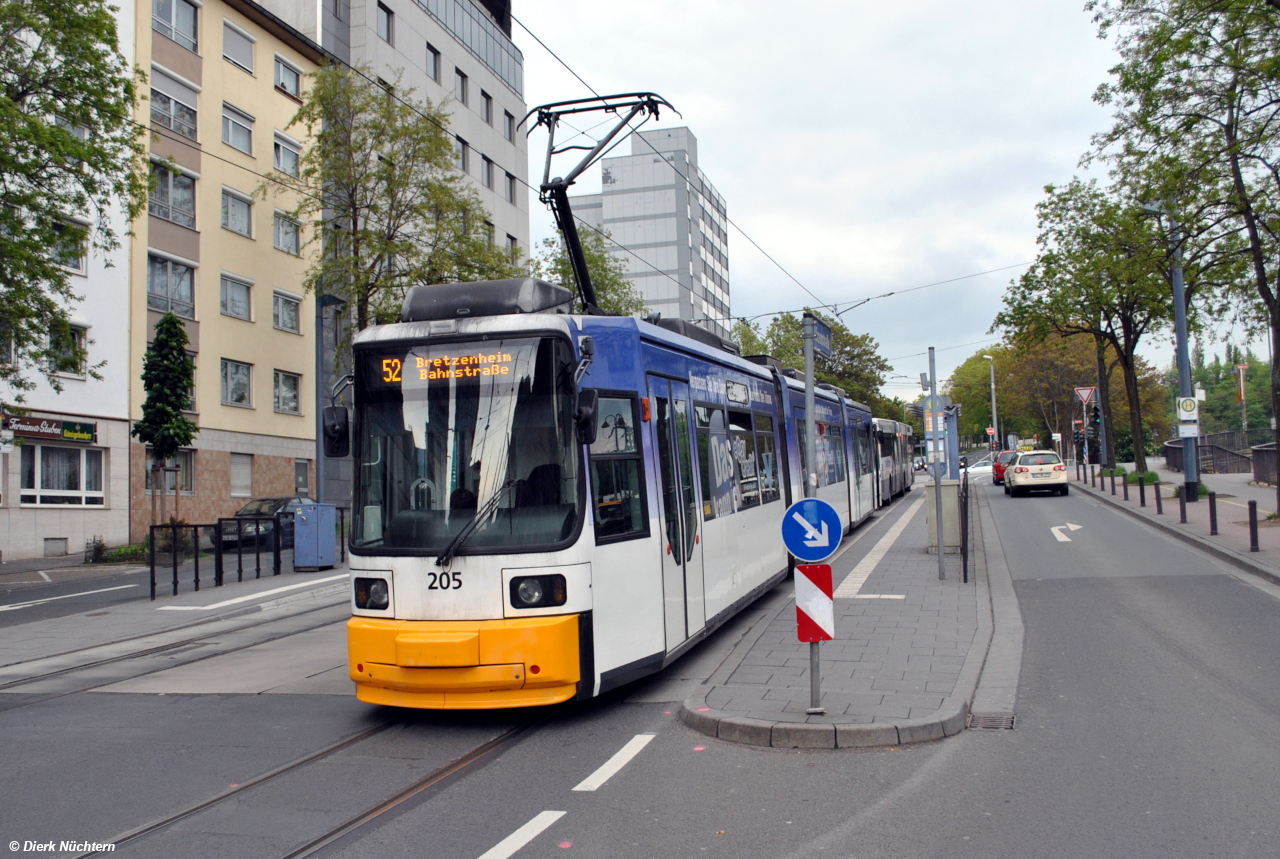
{"x": 998, "y": 467}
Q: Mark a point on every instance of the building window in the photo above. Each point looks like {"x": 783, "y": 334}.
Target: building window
{"x": 486, "y": 171}
{"x": 237, "y": 213}
{"x": 489, "y": 233}
{"x": 459, "y": 86}
{"x": 288, "y": 79}
{"x": 511, "y": 188}
{"x": 236, "y": 298}
{"x": 486, "y": 107}
{"x": 242, "y": 475}
{"x": 513, "y": 248}
{"x": 509, "y": 126}
{"x": 433, "y": 63}
{"x": 287, "y": 156}
{"x": 237, "y": 46}
{"x": 61, "y": 475}
{"x": 302, "y": 476}
{"x": 286, "y": 393}
{"x": 237, "y": 129}
{"x": 285, "y": 313}
{"x": 286, "y": 235}
{"x": 170, "y": 287}
{"x": 461, "y": 154}
{"x": 173, "y": 104}
{"x": 237, "y": 384}
{"x": 71, "y": 251}
{"x": 386, "y": 24}
{"x": 174, "y": 196}
{"x": 175, "y": 19}
{"x": 185, "y": 462}
{"x": 67, "y": 350}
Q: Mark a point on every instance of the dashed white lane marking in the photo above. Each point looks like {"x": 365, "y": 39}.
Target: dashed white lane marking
{"x": 42, "y": 574}
{"x": 522, "y": 836}
{"x": 858, "y": 577}
{"x": 615, "y": 763}
{"x": 29, "y": 603}
{"x": 258, "y": 595}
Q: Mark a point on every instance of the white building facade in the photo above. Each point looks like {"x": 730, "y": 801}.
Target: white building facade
{"x": 659, "y": 204}
{"x": 66, "y": 478}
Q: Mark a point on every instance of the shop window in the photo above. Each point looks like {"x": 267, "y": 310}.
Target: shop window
{"x": 50, "y": 474}
{"x": 617, "y": 483}
{"x": 302, "y": 476}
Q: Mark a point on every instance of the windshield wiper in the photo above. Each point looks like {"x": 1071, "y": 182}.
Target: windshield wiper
{"x": 467, "y": 530}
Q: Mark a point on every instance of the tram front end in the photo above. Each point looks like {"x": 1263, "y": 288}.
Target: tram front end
{"x": 470, "y": 580}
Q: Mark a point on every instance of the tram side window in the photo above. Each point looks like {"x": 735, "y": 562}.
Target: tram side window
{"x": 830, "y": 449}
{"x": 743, "y": 441}
{"x": 616, "y": 466}
{"x": 767, "y": 459}
{"x": 721, "y": 495}
{"x": 835, "y": 442}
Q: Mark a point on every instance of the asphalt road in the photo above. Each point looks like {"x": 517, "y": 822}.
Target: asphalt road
{"x": 1148, "y": 726}
{"x": 26, "y": 597}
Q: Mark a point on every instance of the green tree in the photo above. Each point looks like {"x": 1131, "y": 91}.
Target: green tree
{"x": 614, "y": 292}
{"x": 167, "y": 373}
{"x": 750, "y": 339}
{"x": 855, "y": 363}
{"x": 386, "y": 207}
{"x": 1198, "y": 86}
{"x": 68, "y": 154}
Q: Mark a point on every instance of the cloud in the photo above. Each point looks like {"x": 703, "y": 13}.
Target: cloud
{"x": 866, "y": 146}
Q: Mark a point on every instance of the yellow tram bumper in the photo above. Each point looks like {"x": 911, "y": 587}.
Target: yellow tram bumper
{"x": 464, "y": 665}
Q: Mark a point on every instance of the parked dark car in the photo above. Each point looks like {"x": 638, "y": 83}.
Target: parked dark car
{"x": 259, "y": 532}
{"x": 1002, "y": 461}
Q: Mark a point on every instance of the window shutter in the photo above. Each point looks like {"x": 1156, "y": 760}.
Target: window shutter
{"x": 236, "y": 48}
{"x": 242, "y": 475}
{"x": 174, "y": 89}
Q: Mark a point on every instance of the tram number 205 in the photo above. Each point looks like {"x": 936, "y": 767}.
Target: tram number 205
{"x": 443, "y": 581}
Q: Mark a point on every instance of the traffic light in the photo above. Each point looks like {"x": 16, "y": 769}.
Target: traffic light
{"x": 1096, "y": 416}
{"x": 1091, "y": 431}
{"x": 1077, "y": 436}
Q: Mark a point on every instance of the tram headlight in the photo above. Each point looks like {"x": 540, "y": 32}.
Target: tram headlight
{"x": 372, "y": 594}
{"x": 538, "y": 591}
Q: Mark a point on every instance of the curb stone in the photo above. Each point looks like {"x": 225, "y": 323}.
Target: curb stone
{"x": 950, "y": 719}
{"x": 1222, "y": 553}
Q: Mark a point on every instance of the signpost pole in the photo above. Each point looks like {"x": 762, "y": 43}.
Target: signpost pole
{"x": 937, "y": 471}
{"x": 810, "y": 490}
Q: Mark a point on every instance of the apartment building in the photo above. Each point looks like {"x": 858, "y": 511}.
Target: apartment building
{"x": 455, "y": 51}
{"x": 225, "y": 78}
{"x": 65, "y": 477}
{"x": 659, "y": 204}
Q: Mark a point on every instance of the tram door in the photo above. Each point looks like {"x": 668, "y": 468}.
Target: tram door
{"x": 676, "y": 446}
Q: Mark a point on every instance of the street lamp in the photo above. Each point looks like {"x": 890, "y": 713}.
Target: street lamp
{"x": 995, "y": 438}
{"x": 1190, "y": 457}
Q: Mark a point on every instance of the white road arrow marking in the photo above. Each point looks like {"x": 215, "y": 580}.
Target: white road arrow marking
{"x": 817, "y": 539}
{"x": 1058, "y": 531}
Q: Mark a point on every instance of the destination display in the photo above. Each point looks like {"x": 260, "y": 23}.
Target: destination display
{"x": 392, "y": 371}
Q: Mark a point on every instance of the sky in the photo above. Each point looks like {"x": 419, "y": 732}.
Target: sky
{"x": 867, "y": 146}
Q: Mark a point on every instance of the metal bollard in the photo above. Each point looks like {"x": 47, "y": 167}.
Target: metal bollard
{"x": 1093, "y": 477}
{"x": 1125, "y": 486}
{"x": 1159, "y": 500}
{"x": 1182, "y": 507}
{"x": 1077, "y": 471}
{"x": 1213, "y": 514}
{"x": 1113, "y": 481}
{"x": 1142, "y": 490}
{"x": 1253, "y": 526}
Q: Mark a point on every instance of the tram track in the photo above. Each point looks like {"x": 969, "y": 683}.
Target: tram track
{"x": 437, "y": 778}
{"x": 159, "y": 650}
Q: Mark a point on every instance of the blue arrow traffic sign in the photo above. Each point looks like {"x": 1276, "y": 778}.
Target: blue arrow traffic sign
{"x": 811, "y": 530}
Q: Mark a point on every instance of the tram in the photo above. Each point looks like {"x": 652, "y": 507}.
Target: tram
{"x": 547, "y": 506}
{"x": 896, "y": 444}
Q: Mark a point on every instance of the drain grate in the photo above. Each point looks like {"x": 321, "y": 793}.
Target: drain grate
{"x": 992, "y": 721}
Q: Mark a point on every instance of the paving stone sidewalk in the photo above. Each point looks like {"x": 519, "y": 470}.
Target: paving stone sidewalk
{"x": 902, "y": 668}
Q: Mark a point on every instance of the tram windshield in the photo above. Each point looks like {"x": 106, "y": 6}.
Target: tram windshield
{"x": 444, "y": 431}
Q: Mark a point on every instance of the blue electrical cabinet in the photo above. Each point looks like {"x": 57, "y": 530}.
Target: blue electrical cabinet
{"x": 315, "y": 537}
